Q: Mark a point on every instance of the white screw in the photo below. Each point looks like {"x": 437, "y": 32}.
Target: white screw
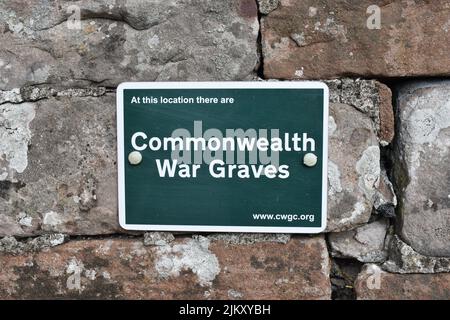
{"x": 310, "y": 160}
{"x": 135, "y": 157}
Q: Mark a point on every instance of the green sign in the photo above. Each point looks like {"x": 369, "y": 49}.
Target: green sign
{"x": 223, "y": 156}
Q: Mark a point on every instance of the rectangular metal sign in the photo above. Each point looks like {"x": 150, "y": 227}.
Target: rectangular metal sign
{"x": 223, "y": 156}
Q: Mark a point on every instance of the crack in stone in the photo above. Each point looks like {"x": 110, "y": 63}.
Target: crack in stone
{"x": 36, "y": 93}
{"x": 101, "y": 17}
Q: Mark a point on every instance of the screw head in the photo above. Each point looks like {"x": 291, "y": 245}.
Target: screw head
{"x": 310, "y": 160}
{"x": 135, "y": 157}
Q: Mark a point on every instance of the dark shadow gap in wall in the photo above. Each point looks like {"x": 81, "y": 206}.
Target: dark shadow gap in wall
{"x": 260, "y": 68}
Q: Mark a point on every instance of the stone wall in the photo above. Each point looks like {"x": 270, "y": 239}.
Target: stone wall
{"x": 388, "y": 233}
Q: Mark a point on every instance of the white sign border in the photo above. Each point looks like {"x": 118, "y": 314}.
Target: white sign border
{"x": 219, "y": 85}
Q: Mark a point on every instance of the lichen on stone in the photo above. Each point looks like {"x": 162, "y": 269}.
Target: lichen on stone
{"x": 364, "y": 95}
{"x": 404, "y": 259}
{"x": 191, "y": 255}
{"x": 267, "y": 6}
{"x": 249, "y": 238}
{"x": 15, "y": 135}
{"x": 11, "y": 245}
{"x": 158, "y": 238}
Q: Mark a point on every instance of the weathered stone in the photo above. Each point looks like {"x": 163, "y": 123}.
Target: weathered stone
{"x": 189, "y": 268}
{"x": 12, "y": 95}
{"x": 403, "y": 259}
{"x": 370, "y": 97}
{"x": 421, "y": 166}
{"x": 353, "y": 168}
{"x": 267, "y": 6}
{"x": 15, "y": 135}
{"x": 366, "y": 243}
{"x": 386, "y": 125}
{"x": 12, "y": 246}
{"x": 58, "y": 167}
{"x": 158, "y": 238}
{"x": 375, "y": 284}
{"x": 250, "y": 238}
{"x": 126, "y": 40}
{"x": 385, "y": 198}
{"x": 325, "y": 39}
{"x": 28, "y": 94}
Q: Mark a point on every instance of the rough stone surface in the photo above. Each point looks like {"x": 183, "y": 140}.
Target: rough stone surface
{"x": 158, "y": 238}
{"x": 189, "y": 268}
{"x": 250, "y": 238}
{"x": 15, "y": 135}
{"x": 34, "y": 93}
{"x": 421, "y": 169}
{"x": 403, "y": 259}
{"x": 58, "y": 148}
{"x": 375, "y": 284}
{"x": 353, "y": 168}
{"x": 267, "y": 6}
{"x": 385, "y": 199}
{"x": 126, "y": 40}
{"x": 12, "y": 246}
{"x": 366, "y": 243}
{"x": 325, "y": 39}
{"x": 58, "y": 167}
{"x": 386, "y": 126}
{"x": 370, "y": 97}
